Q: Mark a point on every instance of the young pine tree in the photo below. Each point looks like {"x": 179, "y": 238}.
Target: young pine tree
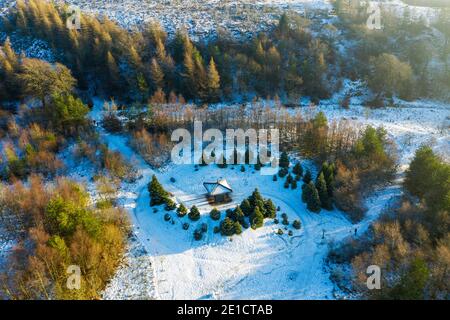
{"x": 213, "y": 81}
{"x": 255, "y": 198}
{"x": 237, "y": 228}
{"x": 321, "y": 187}
{"x": 227, "y": 227}
{"x": 246, "y": 207}
{"x": 294, "y": 185}
{"x": 215, "y": 214}
{"x": 158, "y": 195}
{"x": 311, "y": 196}
{"x": 271, "y": 210}
{"x": 307, "y": 178}
{"x": 284, "y": 160}
{"x": 289, "y": 178}
{"x": 182, "y": 211}
{"x": 257, "y": 219}
{"x": 239, "y": 215}
{"x": 328, "y": 171}
{"x": 298, "y": 169}
{"x": 157, "y": 74}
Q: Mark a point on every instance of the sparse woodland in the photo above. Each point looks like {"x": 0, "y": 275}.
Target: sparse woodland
{"x": 410, "y": 242}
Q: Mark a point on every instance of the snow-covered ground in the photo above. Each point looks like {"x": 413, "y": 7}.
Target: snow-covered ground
{"x": 257, "y": 264}
{"x": 31, "y": 48}
{"x": 201, "y": 18}
{"x": 242, "y": 18}
{"x": 164, "y": 262}
{"x": 135, "y": 278}
{"x": 6, "y": 245}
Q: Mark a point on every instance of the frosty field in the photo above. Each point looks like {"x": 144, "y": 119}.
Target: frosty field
{"x": 202, "y": 18}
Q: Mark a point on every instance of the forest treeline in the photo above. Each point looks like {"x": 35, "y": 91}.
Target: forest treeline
{"x": 289, "y": 61}
{"x": 132, "y": 65}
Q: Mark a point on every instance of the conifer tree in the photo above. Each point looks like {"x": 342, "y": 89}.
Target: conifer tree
{"x": 270, "y": 209}
{"x": 239, "y": 215}
{"x": 289, "y": 178}
{"x": 237, "y": 228}
{"x": 213, "y": 81}
{"x": 189, "y": 70}
{"x": 321, "y": 187}
{"x": 256, "y": 200}
{"x": 304, "y": 195}
{"x": 10, "y": 54}
{"x": 411, "y": 285}
{"x": 67, "y": 112}
{"x": 215, "y": 214}
{"x": 160, "y": 50}
{"x": 307, "y": 178}
{"x": 142, "y": 88}
{"x": 283, "y": 26}
{"x": 170, "y": 204}
{"x": 157, "y": 74}
{"x": 284, "y": 160}
{"x": 297, "y": 224}
{"x": 328, "y": 171}
{"x": 246, "y": 207}
{"x": 311, "y": 196}
{"x": 298, "y": 169}
{"x": 257, "y": 219}
{"x": 113, "y": 71}
{"x": 158, "y": 195}
{"x": 194, "y": 214}
{"x": 198, "y": 235}
{"x": 419, "y": 177}
{"x": 227, "y": 227}
{"x": 283, "y": 172}
{"x": 294, "y": 185}
{"x": 182, "y": 210}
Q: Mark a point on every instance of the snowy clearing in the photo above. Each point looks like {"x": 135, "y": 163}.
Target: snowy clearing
{"x": 259, "y": 264}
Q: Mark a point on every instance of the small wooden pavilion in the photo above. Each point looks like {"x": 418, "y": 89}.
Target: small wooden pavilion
{"x": 218, "y": 192}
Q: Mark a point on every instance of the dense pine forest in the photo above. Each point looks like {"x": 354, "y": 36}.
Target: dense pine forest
{"x": 288, "y": 62}
{"x": 134, "y": 65}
